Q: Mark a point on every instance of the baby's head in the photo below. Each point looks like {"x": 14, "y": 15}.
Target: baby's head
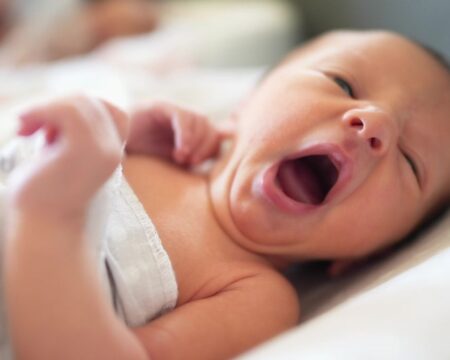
{"x": 342, "y": 150}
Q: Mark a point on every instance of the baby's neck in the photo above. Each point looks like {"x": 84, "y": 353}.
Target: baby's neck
{"x": 178, "y": 203}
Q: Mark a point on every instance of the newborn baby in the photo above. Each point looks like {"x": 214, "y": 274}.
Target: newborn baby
{"x": 341, "y": 151}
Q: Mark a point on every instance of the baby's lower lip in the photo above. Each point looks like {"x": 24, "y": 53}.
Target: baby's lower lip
{"x": 266, "y": 185}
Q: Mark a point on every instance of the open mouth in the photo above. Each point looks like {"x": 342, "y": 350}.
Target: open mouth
{"x": 307, "y": 179}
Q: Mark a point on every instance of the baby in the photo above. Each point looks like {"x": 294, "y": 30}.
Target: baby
{"x": 341, "y": 151}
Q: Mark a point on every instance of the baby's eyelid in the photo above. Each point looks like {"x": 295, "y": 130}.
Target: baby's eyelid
{"x": 412, "y": 164}
{"x": 345, "y": 85}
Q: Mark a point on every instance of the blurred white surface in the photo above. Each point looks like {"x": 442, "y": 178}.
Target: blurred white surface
{"x": 212, "y": 33}
{"x": 39, "y": 11}
{"x": 398, "y": 310}
{"x": 205, "y": 55}
{"x": 237, "y": 33}
{"x": 214, "y": 92}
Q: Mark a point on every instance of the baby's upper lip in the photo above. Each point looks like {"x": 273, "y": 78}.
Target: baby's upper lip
{"x": 308, "y": 195}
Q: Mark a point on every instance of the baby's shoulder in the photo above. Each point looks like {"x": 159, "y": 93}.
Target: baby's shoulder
{"x": 264, "y": 295}
{"x": 251, "y": 304}
{"x": 268, "y": 287}
{"x": 254, "y": 283}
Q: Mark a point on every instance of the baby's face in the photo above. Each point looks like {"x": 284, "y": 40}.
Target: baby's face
{"x": 342, "y": 150}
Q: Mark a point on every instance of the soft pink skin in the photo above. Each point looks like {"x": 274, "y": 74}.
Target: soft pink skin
{"x": 400, "y": 106}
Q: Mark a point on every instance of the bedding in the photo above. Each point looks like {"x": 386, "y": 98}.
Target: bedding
{"x": 397, "y": 308}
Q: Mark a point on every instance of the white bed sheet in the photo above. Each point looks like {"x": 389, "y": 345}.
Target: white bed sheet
{"x": 398, "y": 308}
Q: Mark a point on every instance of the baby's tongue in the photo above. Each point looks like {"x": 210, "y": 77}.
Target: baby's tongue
{"x": 299, "y": 182}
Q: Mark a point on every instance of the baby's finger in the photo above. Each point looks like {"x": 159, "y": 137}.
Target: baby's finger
{"x": 51, "y": 134}
{"x": 204, "y": 138}
{"x": 28, "y": 125}
{"x": 200, "y": 131}
{"x": 208, "y": 148}
{"x": 75, "y": 118}
{"x": 120, "y": 119}
{"x": 58, "y": 117}
{"x": 185, "y": 128}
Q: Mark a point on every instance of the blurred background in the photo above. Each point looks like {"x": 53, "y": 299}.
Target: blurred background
{"x": 422, "y": 20}
{"x": 206, "y": 54}
{"x": 223, "y": 33}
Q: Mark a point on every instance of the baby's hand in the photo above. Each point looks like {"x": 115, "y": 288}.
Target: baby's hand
{"x": 84, "y": 144}
{"x": 174, "y": 133}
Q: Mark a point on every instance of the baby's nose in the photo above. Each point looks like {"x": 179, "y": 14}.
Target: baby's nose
{"x": 373, "y": 126}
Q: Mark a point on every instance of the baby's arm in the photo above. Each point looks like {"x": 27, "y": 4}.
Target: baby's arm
{"x": 253, "y": 307}
{"x": 174, "y": 133}
{"x": 55, "y": 304}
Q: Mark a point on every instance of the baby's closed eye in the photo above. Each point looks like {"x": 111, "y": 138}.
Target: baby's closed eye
{"x": 412, "y": 164}
{"x": 344, "y": 85}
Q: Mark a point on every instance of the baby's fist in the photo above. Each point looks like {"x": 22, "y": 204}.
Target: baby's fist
{"x": 84, "y": 144}
{"x": 173, "y": 133}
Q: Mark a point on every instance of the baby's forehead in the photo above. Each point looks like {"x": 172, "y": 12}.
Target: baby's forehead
{"x": 377, "y": 48}
{"x": 381, "y": 59}
{"x": 348, "y": 39}
{"x": 336, "y": 42}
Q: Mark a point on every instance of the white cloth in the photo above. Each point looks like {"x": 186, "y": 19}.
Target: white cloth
{"x": 134, "y": 268}
{"x": 141, "y": 276}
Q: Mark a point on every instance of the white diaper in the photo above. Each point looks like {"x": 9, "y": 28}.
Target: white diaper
{"x": 134, "y": 268}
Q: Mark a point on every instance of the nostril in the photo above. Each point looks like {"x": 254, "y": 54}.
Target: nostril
{"x": 375, "y": 143}
{"x": 356, "y": 123}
